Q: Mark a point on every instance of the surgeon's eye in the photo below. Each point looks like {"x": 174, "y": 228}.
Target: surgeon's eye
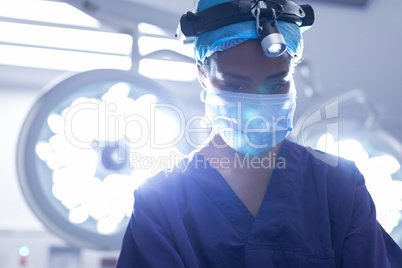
{"x": 274, "y": 88}
{"x": 234, "y": 87}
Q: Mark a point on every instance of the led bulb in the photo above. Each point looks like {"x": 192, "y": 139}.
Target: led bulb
{"x": 275, "y": 49}
{"x": 24, "y": 251}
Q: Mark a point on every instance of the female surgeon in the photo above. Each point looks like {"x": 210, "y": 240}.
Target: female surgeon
{"x": 250, "y": 197}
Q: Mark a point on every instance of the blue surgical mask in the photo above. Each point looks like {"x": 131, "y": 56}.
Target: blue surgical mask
{"x": 250, "y": 123}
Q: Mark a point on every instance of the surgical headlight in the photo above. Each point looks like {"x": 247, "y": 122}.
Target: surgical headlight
{"x": 264, "y": 12}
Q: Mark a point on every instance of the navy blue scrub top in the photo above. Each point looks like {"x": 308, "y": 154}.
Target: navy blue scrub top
{"x": 313, "y": 215}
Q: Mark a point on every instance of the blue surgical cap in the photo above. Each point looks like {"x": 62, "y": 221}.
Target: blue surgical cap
{"x": 231, "y": 35}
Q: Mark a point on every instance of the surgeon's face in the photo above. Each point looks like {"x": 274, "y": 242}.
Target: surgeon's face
{"x": 245, "y": 68}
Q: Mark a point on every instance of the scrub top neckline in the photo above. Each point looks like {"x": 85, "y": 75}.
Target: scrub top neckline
{"x": 274, "y": 202}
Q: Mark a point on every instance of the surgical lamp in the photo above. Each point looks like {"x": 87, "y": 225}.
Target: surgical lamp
{"x": 80, "y": 151}
{"x": 265, "y": 13}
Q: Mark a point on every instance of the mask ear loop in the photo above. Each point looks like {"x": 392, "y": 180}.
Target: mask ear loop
{"x": 203, "y": 94}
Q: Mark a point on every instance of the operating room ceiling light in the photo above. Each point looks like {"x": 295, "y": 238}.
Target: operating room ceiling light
{"x": 167, "y": 70}
{"x": 76, "y": 61}
{"x": 163, "y": 57}
{"x": 46, "y": 12}
{"x": 65, "y": 38}
{"x": 80, "y": 152}
{"x": 149, "y": 44}
{"x": 146, "y": 28}
{"x": 40, "y": 35}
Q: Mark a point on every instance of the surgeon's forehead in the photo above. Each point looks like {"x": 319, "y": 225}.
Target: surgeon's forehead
{"x": 248, "y": 58}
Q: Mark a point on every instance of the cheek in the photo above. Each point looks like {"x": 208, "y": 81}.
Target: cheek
{"x": 214, "y": 74}
{"x": 213, "y": 80}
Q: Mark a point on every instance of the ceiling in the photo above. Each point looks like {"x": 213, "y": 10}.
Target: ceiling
{"x": 358, "y": 3}
{"x": 351, "y": 46}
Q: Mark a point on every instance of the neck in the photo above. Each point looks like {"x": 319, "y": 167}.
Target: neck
{"x": 223, "y": 157}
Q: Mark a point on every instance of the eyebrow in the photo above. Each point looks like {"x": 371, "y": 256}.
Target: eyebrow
{"x": 246, "y": 78}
